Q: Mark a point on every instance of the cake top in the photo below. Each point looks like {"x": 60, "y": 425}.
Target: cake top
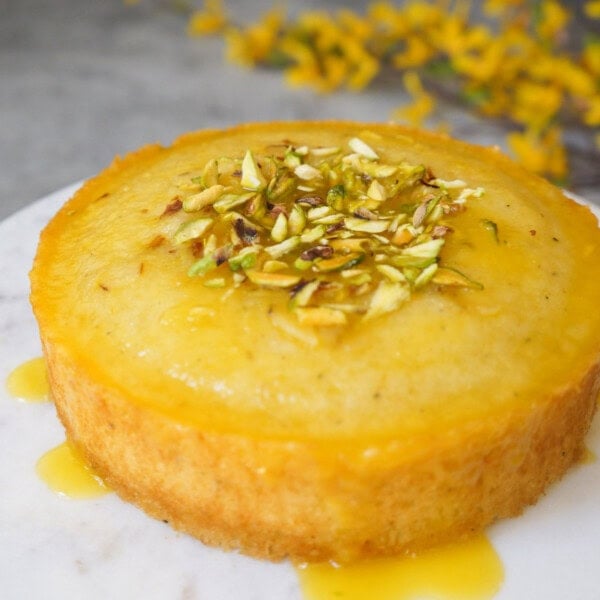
{"x": 519, "y": 322}
{"x": 345, "y": 233}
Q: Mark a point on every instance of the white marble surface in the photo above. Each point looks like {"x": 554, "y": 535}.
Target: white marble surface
{"x": 52, "y": 547}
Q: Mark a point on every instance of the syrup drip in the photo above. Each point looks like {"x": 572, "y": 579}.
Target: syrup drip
{"x": 29, "y": 381}
{"x": 64, "y": 471}
{"x": 467, "y": 570}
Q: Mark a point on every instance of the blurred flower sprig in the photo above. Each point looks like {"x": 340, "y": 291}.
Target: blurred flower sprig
{"x": 517, "y": 61}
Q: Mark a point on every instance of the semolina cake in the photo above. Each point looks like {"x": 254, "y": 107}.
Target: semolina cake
{"x": 322, "y": 340}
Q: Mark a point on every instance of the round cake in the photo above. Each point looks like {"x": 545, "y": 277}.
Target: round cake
{"x": 322, "y": 340}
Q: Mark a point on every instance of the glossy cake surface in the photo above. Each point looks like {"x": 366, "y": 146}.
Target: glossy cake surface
{"x": 215, "y": 409}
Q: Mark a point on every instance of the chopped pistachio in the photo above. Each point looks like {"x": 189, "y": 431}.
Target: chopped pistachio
{"x": 202, "y": 266}
{"x": 283, "y": 247}
{"x": 297, "y": 220}
{"x": 336, "y": 196}
{"x": 204, "y": 198}
{"x": 376, "y": 191}
{"x": 228, "y": 201}
{"x": 328, "y": 151}
{"x": 392, "y": 273}
{"x": 312, "y": 235}
{"x": 302, "y": 295}
{"x": 338, "y": 263}
{"x": 252, "y": 178}
{"x": 192, "y": 230}
{"x": 492, "y": 228}
{"x": 307, "y": 172}
{"x": 425, "y": 275}
{"x": 362, "y": 148}
{"x": 280, "y": 228}
{"x": 428, "y": 249}
{"x": 216, "y": 282}
{"x": 317, "y": 211}
{"x": 356, "y": 224}
{"x": 272, "y": 266}
{"x": 454, "y": 277}
{"x": 277, "y": 280}
{"x": 387, "y": 297}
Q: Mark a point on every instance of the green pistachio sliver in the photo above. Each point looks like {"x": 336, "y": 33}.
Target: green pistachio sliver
{"x": 192, "y": 230}
{"x": 346, "y": 308}
{"x": 252, "y": 178}
{"x": 312, "y": 235}
{"x": 302, "y": 265}
{"x": 469, "y": 193}
{"x": 492, "y": 228}
{"x": 387, "y": 297}
{"x": 376, "y": 191}
{"x": 449, "y": 185}
{"x": 335, "y": 197}
{"x": 204, "y": 198}
{"x": 303, "y": 296}
{"x": 318, "y": 212}
{"x": 360, "y": 147}
{"x": 291, "y": 159}
{"x": 283, "y": 247}
{"x": 210, "y": 245}
{"x": 425, "y": 275}
{"x": 339, "y": 263}
{"x": 229, "y": 201}
{"x": 427, "y": 249}
{"x": 392, "y": 273}
{"x": 210, "y": 173}
{"x": 362, "y": 225}
{"x": 415, "y": 262}
{"x": 297, "y": 220}
{"x": 272, "y": 266}
{"x": 360, "y": 279}
{"x": 330, "y": 219}
{"x": 453, "y": 277}
{"x": 327, "y": 151}
{"x": 397, "y": 221}
{"x": 202, "y": 266}
{"x": 348, "y": 273}
{"x": 216, "y": 282}
{"x": 275, "y": 280}
{"x": 307, "y": 172}
{"x": 280, "y": 228}
{"x": 245, "y": 259}
{"x": 280, "y": 185}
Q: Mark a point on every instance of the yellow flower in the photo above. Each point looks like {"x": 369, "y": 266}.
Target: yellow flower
{"x": 535, "y": 104}
{"x": 416, "y": 53}
{"x": 592, "y": 9}
{"x": 422, "y": 104}
{"x": 591, "y": 115}
{"x": 256, "y": 43}
{"x": 210, "y": 20}
{"x": 590, "y": 57}
{"x": 541, "y": 153}
{"x": 553, "y": 19}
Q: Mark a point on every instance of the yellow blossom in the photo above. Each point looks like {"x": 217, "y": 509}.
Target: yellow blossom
{"x": 592, "y": 9}
{"x": 416, "y": 53}
{"x": 591, "y": 115}
{"x": 553, "y": 19}
{"x": 254, "y": 44}
{"x": 535, "y": 104}
{"x": 210, "y": 20}
{"x": 590, "y": 57}
{"x": 540, "y": 153}
{"x": 422, "y": 104}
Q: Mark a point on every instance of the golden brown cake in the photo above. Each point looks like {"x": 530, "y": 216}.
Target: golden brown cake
{"x": 322, "y": 340}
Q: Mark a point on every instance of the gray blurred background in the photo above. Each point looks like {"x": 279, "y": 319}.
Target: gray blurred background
{"x": 83, "y": 80}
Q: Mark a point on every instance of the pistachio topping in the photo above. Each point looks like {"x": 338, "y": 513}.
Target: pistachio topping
{"x": 346, "y": 232}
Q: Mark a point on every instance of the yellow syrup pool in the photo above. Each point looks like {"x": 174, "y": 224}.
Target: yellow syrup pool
{"x": 29, "y": 381}
{"x": 65, "y": 472}
{"x": 466, "y": 570}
